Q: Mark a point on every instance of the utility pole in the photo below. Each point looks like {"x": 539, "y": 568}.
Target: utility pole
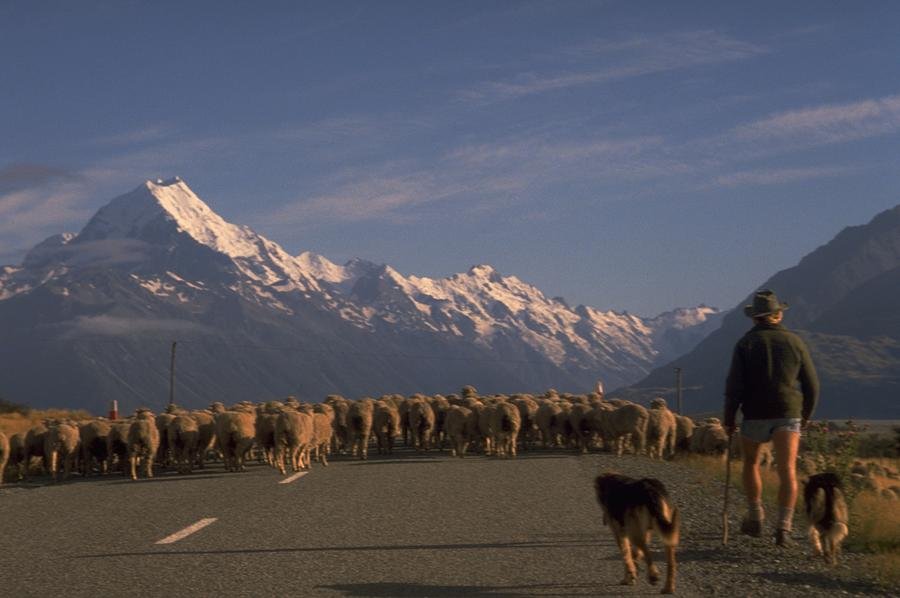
{"x": 678, "y": 390}
{"x": 172, "y": 377}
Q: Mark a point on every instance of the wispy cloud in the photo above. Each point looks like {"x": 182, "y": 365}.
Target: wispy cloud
{"x": 24, "y": 175}
{"x": 142, "y": 135}
{"x": 779, "y": 176}
{"x": 602, "y": 61}
{"x": 830, "y": 123}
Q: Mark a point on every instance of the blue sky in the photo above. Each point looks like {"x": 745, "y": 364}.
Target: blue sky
{"x": 627, "y": 155}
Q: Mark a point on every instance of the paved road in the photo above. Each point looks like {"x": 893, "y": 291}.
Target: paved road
{"x": 403, "y": 526}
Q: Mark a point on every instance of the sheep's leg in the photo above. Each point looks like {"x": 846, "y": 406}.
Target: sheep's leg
{"x": 132, "y": 459}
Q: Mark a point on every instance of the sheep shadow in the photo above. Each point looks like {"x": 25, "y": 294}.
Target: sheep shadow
{"x": 388, "y": 589}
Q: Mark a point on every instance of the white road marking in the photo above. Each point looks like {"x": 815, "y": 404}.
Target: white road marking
{"x": 196, "y": 527}
{"x": 296, "y": 476}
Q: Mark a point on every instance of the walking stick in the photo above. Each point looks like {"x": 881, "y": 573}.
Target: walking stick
{"x": 727, "y": 489}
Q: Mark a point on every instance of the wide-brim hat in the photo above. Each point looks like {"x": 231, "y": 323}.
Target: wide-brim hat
{"x": 765, "y": 302}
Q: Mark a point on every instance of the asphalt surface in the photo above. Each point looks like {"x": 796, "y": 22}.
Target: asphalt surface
{"x": 406, "y": 525}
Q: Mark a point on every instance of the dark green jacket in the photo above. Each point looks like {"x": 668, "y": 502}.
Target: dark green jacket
{"x": 766, "y": 367}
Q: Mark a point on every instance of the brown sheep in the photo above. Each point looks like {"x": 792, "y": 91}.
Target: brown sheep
{"x": 266, "y": 419}
{"x": 623, "y": 423}
{"x": 293, "y": 440}
{"x": 235, "y": 432}
{"x": 439, "y": 405}
{"x": 421, "y": 424}
{"x": 4, "y": 454}
{"x": 527, "y": 410}
{"x": 581, "y": 422}
{"x": 386, "y": 424}
{"x": 506, "y": 421}
{"x": 684, "y": 431}
{"x": 16, "y": 454}
{"x": 710, "y": 438}
{"x": 359, "y": 425}
{"x": 143, "y": 442}
{"x": 164, "y": 454}
{"x": 94, "y": 449}
{"x": 183, "y": 438}
{"x": 661, "y": 430}
{"x": 322, "y": 432}
{"x": 484, "y": 416}
{"x": 34, "y": 447}
{"x": 459, "y": 430}
{"x": 61, "y": 443}
{"x": 117, "y": 445}
{"x": 341, "y": 438}
{"x": 545, "y": 418}
{"x": 206, "y": 434}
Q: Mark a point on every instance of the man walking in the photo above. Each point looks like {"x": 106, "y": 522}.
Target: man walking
{"x": 768, "y": 364}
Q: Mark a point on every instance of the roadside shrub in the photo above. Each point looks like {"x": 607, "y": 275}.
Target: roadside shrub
{"x": 834, "y": 449}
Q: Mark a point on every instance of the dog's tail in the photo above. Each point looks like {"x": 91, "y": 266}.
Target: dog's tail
{"x": 667, "y": 520}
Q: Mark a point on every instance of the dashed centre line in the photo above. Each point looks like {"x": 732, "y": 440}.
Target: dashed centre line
{"x": 296, "y": 476}
{"x": 196, "y": 527}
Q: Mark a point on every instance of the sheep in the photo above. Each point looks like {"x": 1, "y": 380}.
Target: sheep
{"x": 527, "y": 410}
{"x": 439, "y": 405}
{"x": 386, "y": 424}
{"x": 163, "y": 454}
{"x": 323, "y": 430}
{"x": 183, "y": 439}
{"x": 34, "y": 447}
{"x": 581, "y": 423}
{"x": 61, "y": 443}
{"x": 545, "y": 419}
{"x": 484, "y": 416}
{"x": 506, "y": 421}
{"x": 206, "y": 434}
{"x": 94, "y": 435}
{"x": 359, "y": 426}
{"x": 235, "y": 431}
{"x": 4, "y": 454}
{"x": 117, "y": 444}
{"x": 622, "y": 423}
{"x": 143, "y": 442}
{"x": 340, "y": 440}
{"x": 710, "y": 438}
{"x": 562, "y": 425}
{"x": 661, "y": 430}
{"x": 458, "y": 429}
{"x": 293, "y": 439}
{"x": 16, "y": 454}
{"x": 266, "y": 418}
{"x": 683, "y": 432}
{"x": 421, "y": 424}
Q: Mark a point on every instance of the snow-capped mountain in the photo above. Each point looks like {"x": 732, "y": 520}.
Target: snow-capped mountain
{"x": 93, "y": 312}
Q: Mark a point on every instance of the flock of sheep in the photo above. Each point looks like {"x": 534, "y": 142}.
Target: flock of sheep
{"x": 289, "y": 434}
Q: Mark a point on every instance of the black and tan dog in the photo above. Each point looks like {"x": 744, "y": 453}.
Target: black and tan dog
{"x": 633, "y": 509}
{"x": 826, "y": 512}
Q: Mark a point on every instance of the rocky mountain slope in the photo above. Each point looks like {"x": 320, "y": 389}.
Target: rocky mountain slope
{"x": 90, "y": 317}
{"x": 845, "y": 300}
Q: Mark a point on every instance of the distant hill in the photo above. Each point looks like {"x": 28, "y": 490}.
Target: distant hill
{"x": 845, "y": 301}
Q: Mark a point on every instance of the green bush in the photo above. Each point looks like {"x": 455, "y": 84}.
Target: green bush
{"x": 834, "y": 448}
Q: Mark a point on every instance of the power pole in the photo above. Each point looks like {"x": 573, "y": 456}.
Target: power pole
{"x": 678, "y": 390}
{"x": 172, "y": 377}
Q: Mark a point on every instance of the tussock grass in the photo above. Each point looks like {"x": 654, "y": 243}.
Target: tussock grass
{"x": 874, "y": 520}
{"x": 13, "y": 423}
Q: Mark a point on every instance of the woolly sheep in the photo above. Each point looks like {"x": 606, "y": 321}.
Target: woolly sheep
{"x": 506, "y": 422}
{"x": 163, "y": 454}
{"x": 341, "y": 438}
{"x": 143, "y": 442}
{"x": 117, "y": 444}
{"x": 386, "y": 424}
{"x": 684, "y": 430}
{"x": 183, "y": 436}
{"x": 206, "y": 434}
{"x": 16, "y": 455}
{"x": 545, "y": 418}
{"x": 235, "y": 432}
{"x": 61, "y": 443}
{"x": 293, "y": 439}
{"x": 710, "y": 438}
{"x": 265, "y": 433}
{"x": 4, "y": 454}
{"x": 34, "y": 447}
{"x": 359, "y": 426}
{"x": 622, "y": 423}
{"x": 94, "y": 435}
{"x": 439, "y": 405}
{"x": 527, "y": 410}
{"x": 581, "y": 423}
{"x": 421, "y": 424}
{"x": 322, "y": 432}
{"x": 661, "y": 430}
{"x": 458, "y": 428}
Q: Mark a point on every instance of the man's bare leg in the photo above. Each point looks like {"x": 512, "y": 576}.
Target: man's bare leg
{"x": 752, "y": 524}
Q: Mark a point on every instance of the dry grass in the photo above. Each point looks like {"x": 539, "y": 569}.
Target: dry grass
{"x": 13, "y": 423}
{"x": 874, "y": 520}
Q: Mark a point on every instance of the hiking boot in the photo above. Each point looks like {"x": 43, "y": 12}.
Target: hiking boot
{"x": 751, "y": 527}
{"x": 783, "y": 538}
